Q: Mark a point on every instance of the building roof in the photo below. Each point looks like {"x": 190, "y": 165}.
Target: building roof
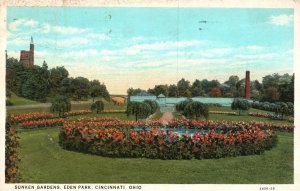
{"x": 161, "y": 96}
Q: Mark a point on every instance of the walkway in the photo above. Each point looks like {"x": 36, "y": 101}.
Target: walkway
{"x": 167, "y": 114}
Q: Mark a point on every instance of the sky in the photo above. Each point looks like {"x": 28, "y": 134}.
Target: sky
{"x": 143, "y": 47}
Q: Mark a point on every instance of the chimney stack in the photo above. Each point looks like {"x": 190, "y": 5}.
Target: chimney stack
{"x": 247, "y": 88}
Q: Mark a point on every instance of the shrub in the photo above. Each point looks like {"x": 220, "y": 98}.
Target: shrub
{"x": 141, "y": 110}
{"x": 98, "y": 106}
{"x": 61, "y": 104}
{"x": 196, "y": 109}
{"x": 181, "y": 105}
{"x": 240, "y": 104}
{"x": 153, "y": 105}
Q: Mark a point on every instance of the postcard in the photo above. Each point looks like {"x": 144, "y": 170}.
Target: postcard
{"x": 137, "y": 95}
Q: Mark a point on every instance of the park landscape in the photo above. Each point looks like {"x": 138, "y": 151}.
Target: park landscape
{"x": 72, "y": 129}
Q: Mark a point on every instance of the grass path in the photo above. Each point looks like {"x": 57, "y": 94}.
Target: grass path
{"x": 44, "y": 161}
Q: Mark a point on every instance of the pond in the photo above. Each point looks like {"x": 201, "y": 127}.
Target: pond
{"x": 178, "y": 131}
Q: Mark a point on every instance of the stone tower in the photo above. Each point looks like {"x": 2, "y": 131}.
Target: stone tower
{"x": 27, "y": 57}
{"x": 247, "y": 88}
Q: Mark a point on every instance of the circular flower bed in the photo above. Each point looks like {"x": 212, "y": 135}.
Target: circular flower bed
{"x": 126, "y": 139}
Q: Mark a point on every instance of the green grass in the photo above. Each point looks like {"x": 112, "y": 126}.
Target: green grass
{"x": 157, "y": 115}
{"x": 79, "y": 106}
{"x": 16, "y": 100}
{"x": 245, "y": 118}
{"x": 44, "y": 161}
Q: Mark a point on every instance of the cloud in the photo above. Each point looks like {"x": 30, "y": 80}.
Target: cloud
{"x": 281, "y": 20}
{"x": 164, "y": 45}
{"x": 18, "y": 41}
{"x": 17, "y": 24}
{"x": 256, "y": 56}
{"x": 14, "y": 26}
{"x": 68, "y": 30}
{"x": 98, "y": 36}
{"x": 240, "y": 63}
{"x": 255, "y": 47}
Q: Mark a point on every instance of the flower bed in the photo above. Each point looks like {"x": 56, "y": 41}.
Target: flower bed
{"x": 29, "y": 117}
{"x": 79, "y": 112}
{"x": 225, "y": 125}
{"x": 121, "y": 139}
{"x": 42, "y": 123}
{"x": 269, "y": 115}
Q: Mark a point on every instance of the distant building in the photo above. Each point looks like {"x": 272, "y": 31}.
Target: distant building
{"x": 161, "y": 99}
{"x": 27, "y": 57}
{"x": 142, "y": 96}
{"x": 247, "y": 88}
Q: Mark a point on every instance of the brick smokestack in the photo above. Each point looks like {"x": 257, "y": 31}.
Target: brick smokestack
{"x": 247, "y": 88}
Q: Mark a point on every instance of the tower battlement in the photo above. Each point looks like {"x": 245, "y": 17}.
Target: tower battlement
{"x": 27, "y": 57}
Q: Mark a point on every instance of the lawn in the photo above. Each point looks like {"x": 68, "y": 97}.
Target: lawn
{"x": 44, "y": 161}
{"x": 16, "y": 100}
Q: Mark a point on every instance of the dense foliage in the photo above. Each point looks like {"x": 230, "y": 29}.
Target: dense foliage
{"x": 279, "y": 108}
{"x": 98, "y": 106}
{"x": 39, "y": 82}
{"x": 61, "y": 104}
{"x": 181, "y": 105}
{"x": 153, "y": 105}
{"x": 115, "y": 141}
{"x": 273, "y": 88}
{"x": 140, "y": 110}
{"x": 240, "y": 104}
{"x": 196, "y": 109}
{"x": 11, "y": 155}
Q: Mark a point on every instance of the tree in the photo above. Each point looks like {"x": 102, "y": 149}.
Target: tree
{"x": 196, "y": 109}
{"x": 153, "y": 105}
{"x": 232, "y": 81}
{"x": 97, "y": 89}
{"x": 98, "y": 106}
{"x": 271, "y": 94}
{"x": 282, "y": 108}
{"x": 61, "y": 104}
{"x": 139, "y": 109}
{"x": 270, "y": 81}
{"x": 183, "y": 85}
{"x": 172, "y": 91}
{"x": 286, "y": 88}
{"x": 159, "y": 89}
{"x": 80, "y": 87}
{"x": 65, "y": 87}
{"x": 55, "y": 78}
{"x": 215, "y": 92}
{"x": 181, "y": 105}
{"x": 14, "y": 72}
{"x": 196, "y": 88}
{"x": 240, "y": 104}
{"x": 34, "y": 83}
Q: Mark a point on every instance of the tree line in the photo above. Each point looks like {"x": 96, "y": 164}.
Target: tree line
{"x": 273, "y": 88}
{"x": 39, "y": 82}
